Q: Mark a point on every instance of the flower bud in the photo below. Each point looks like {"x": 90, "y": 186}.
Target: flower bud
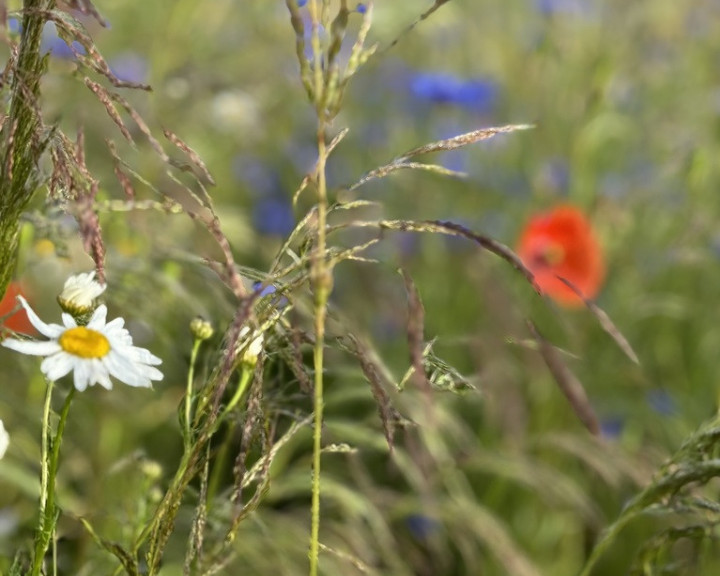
{"x": 250, "y": 346}
{"x": 201, "y": 329}
{"x": 79, "y": 294}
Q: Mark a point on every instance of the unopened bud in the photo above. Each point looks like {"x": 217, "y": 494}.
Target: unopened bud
{"x": 201, "y": 329}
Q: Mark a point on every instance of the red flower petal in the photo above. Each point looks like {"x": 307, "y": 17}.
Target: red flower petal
{"x": 561, "y": 244}
{"x": 18, "y": 322}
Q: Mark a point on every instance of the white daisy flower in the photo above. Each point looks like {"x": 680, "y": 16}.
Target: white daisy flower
{"x": 251, "y": 347}
{"x": 79, "y": 294}
{"x": 4, "y": 439}
{"x": 93, "y": 352}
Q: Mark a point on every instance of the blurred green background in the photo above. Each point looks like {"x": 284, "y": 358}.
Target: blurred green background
{"x": 625, "y": 98}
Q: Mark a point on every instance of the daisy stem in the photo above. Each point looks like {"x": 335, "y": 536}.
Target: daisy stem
{"x": 50, "y": 459}
{"x": 188, "y": 392}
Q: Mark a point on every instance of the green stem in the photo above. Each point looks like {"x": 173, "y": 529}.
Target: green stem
{"x": 50, "y": 459}
{"x": 188, "y": 393}
{"x": 221, "y": 458}
{"x": 245, "y": 377}
{"x": 322, "y": 286}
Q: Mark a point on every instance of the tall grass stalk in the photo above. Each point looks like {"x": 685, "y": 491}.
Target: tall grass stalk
{"x": 21, "y": 145}
{"x": 321, "y": 275}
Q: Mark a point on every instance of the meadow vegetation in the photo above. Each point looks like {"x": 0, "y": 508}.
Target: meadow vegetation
{"x": 407, "y": 288}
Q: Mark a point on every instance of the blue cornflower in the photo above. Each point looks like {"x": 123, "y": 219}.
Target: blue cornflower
{"x": 475, "y": 94}
{"x": 661, "y": 401}
{"x": 421, "y": 527}
{"x": 273, "y": 216}
{"x": 14, "y": 26}
{"x": 129, "y": 67}
{"x": 256, "y": 175}
{"x": 612, "y": 427}
{"x": 562, "y": 6}
{"x": 269, "y": 291}
{"x": 555, "y": 175}
{"x": 57, "y": 47}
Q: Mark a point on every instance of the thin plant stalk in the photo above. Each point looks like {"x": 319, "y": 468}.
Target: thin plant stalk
{"x": 188, "y": 393}
{"x": 220, "y": 460}
{"x": 50, "y": 459}
{"x": 322, "y": 286}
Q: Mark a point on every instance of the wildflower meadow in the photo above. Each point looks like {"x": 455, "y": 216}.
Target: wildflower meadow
{"x": 327, "y": 287}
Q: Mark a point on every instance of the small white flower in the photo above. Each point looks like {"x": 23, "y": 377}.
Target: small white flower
{"x": 79, "y": 293}
{"x": 93, "y": 352}
{"x": 4, "y": 439}
{"x": 250, "y": 349}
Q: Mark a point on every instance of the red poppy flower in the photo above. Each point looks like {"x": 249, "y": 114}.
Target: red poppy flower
{"x": 561, "y": 244}
{"x": 18, "y": 322}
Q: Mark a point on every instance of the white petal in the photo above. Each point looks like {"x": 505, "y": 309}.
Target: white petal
{"x": 68, "y": 321}
{"x": 116, "y": 324}
{"x": 32, "y": 347}
{"x": 57, "y": 365}
{"x": 142, "y": 355}
{"x": 124, "y": 370}
{"x": 97, "y": 321}
{"x": 101, "y": 374}
{"x": 49, "y": 330}
{"x": 4, "y": 439}
{"x": 82, "y": 376}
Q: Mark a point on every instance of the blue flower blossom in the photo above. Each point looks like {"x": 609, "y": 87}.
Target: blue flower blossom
{"x": 14, "y": 26}
{"x": 612, "y": 427}
{"x": 56, "y": 46}
{"x": 361, "y": 8}
{"x": 661, "y": 401}
{"x": 301, "y": 3}
{"x": 269, "y": 291}
{"x": 256, "y": 175}
{"x": 562, "y": 6}
{"x": 273, "y": 216}
{"x": 421, "y": 527}
{"x": 478, "y": 95}
{"x": 555, "y": 175}
{"x": 129, "y": 67}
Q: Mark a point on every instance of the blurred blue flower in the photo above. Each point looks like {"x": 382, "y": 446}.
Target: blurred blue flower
{"x": 278, "y": 302}
{"x": 57, "y": 47}
{"x": 256, "y": 174}
{"x": 562, "y": 6}
{"x": 361, "y": 8}
{"x": 420, "y": 526}
{"x": 612, "y": 427}
{"x": 555, "y": 175}
{"x": 407, "y": 243}
{"x": 14, "y": 26}
{"x": 129, "y": 67}
{"x": 273, "y": 216}
{"x": 661, "y": 401}
{"x": 478, "y": 94}
{"x": 301, "y": 3}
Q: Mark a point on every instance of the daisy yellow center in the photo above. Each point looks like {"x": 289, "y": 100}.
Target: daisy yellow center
{"x": 84, "y": 342}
